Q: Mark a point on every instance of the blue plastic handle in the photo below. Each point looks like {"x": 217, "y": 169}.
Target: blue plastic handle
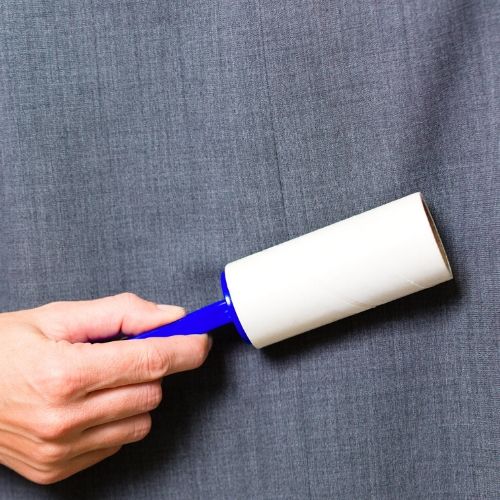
{"x": 202, "y": 320}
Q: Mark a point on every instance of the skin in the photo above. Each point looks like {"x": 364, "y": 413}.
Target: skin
{"x": 65, "y": 403}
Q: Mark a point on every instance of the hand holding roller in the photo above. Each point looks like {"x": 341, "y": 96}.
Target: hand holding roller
{"x": 326, "y": 275}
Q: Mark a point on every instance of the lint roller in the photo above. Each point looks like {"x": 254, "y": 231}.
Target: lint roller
{"x": 326, "y": 275}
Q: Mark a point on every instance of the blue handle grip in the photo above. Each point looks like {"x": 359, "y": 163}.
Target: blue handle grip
{"x": 200, "y": 321}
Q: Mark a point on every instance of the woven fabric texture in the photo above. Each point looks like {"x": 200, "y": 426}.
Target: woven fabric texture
{"x": 146, "y": 143}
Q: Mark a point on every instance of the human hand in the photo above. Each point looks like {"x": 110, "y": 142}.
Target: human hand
{"x": 66, "y": 404}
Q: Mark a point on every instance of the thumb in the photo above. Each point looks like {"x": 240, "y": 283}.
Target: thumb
{"x": 87, "y": 320}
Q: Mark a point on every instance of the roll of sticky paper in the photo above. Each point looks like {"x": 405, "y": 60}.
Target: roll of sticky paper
{"x": 339, "y": 270}
{"x": 326, "y": 275}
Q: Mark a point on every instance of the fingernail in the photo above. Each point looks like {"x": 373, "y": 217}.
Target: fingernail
{"x": 171, "y": 308}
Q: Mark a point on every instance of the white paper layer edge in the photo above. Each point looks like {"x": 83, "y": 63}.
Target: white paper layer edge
{"x": 342, "y": 269}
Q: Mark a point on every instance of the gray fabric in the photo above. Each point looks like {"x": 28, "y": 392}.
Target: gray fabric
{"x": 144, "y": 144}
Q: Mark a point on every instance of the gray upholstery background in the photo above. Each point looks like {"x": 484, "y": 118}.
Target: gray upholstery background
{"x": 145, "y": 143}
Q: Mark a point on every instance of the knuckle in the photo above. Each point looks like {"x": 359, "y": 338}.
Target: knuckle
{"x": 142, "y": 427}
{"x": 153, "y": 396}
{"x": 47, "y": 477}
{"x": 50, "y": 453}
{"x": 54, "y": 424}
{"x": 158, "y": 362}
{"x": 57, "y": 381}
{"x": 42, "y": 478}
{"x": 128, "y": 297}
{"x": 51, "y": 307}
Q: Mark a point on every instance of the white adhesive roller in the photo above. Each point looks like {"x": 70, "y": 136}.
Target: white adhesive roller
{"x": 339, "y": 270}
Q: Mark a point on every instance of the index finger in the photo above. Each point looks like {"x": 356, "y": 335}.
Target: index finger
{"x": 125, "y": 362}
